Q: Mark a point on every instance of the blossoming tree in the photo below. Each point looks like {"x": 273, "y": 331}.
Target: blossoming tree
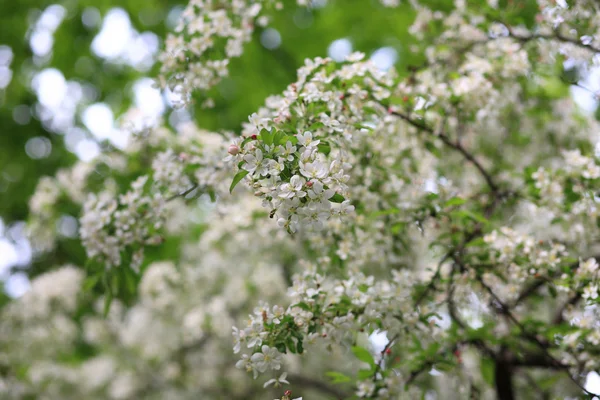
{"x": 448, "y": 209}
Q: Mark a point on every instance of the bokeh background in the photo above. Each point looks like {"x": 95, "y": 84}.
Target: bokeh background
{"x": 72, "y": 71}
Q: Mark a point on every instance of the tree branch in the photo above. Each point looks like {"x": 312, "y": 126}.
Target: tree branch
{"x": 529, "y": 290}
{"x": 557, "y": 36}
{"x": 503, "y": 377}
{"x": 453, "y": 145}
{"x": 542, "y": 345}
{"x": 184, "y": 193}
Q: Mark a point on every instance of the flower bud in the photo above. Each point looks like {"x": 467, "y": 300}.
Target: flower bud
{"x": 233, "y": 150}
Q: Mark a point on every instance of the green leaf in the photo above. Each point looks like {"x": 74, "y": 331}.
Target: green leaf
{"x": 398, "y": 227}
{"x": 487, "y": 370}
{"x": 554, "y": 88}
{"x": 466, "y": 214}
{"x": 130, "y": 280}
{"x": 291, "y": 345}
{"x": 289, "y": 138}
{"x": 445, "y": 366}
{"x": 324, "y": 148}
{"x": 432, "y": 148}
{"x": 281, "y": 348}
{"x": 236, "y": 179}
{"x": 363, "y": 355}
{"x": 107, "y": 301}
{"x": 266, "y": 137}
{"x": 279, "y": 138}
{"x": 337, "y": 377}
{"x": 365, "y": 374}
{"x": 455, "y": 201}
{"x": 212, "y": 195}
{"x": 300, "y": 347}
{"x": 91, "y": 282}
{"x": 337, "y": 198}
{"x": 432, "y": 349}
{"x": 303, "y": 306}
{"x": 245, "y": 141}
{"x": 297, "y": 334}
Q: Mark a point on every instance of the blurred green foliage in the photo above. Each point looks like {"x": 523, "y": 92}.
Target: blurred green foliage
{"x": 257, "y": 74}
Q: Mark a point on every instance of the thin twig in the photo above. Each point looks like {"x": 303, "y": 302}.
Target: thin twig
{"x": 453, "y": 145}
{"x": 557, "y": 36}
{"x": 184, "y": 193}
{"x": 379, "y": 365}
{"x": 431, "y": 284}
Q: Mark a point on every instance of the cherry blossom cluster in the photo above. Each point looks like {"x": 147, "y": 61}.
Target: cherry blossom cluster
{"x": 176, "y": 334}
{"x": 211, "y": 33}
{"x": 68, "y": 185}
{"x": 114, "y": 224}
{"x": 581, "y": 342}
{"x": 510, "y": 246}
{"x": 109, "y": 226}
{"x": 567, "y": 191}
{"x": 294, "y": 155}
{"x": 205, "y": 26}
{"x": 41, "y": 323}
{"x": 329, "y": 312}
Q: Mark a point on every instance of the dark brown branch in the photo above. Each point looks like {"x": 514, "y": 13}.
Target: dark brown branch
{"x": 413, "y": 375}
{"x": 431, "y": 284}
{"x": 379, "y": 365}
{"x": 453, "y": 145}
{"x": 505, "y": 310}
{"x": 480, "y": 344}
{"x": 529, "y": 290}
{"x": 540, "y": 360}
{"x": 184, "y": 193}
{"x": 557, "y": 36}
{"x": 503, "y": 377}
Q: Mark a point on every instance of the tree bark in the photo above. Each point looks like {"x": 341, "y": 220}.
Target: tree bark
{"x": 503, "y": 378}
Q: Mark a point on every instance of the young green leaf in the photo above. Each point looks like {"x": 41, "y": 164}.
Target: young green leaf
{"x": 236, "y": 179}
{"x": 337, "y": 198}
{"x": 337, "y": 377}
{"x": 488, "y": 370}
{"x": 363, "y": 355}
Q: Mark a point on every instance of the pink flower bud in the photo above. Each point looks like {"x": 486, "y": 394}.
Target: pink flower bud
{"x": 233, "y": 150}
